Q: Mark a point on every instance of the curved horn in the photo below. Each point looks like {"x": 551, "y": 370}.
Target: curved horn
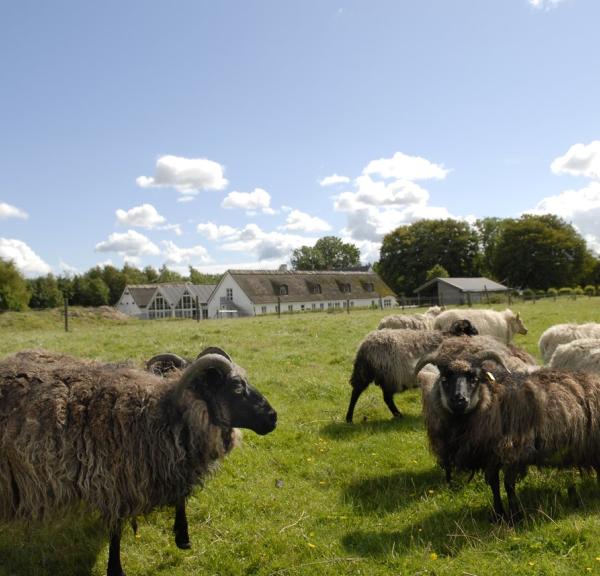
{"x": 214, "y": 350}
{"x": 169, "y": 359}
{"x": 196, "y": 370}
{"x": 427, "y": 359}
{"x": 491, "y": 355}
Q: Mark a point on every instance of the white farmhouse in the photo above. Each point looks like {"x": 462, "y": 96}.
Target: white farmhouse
{"x": 256, "y": 292}
{"x": 165, "y": 300}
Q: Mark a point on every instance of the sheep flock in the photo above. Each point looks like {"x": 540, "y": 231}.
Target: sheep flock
{"x": 122, "y": 441}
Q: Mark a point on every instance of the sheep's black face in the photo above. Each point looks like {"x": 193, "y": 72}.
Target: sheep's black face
{"x": 463, "y": 327}
{"x": 233, "y": 403}
{"x": 459, "y": 390}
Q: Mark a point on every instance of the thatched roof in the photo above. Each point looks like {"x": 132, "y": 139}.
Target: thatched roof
{"x": 265, "y": 286}
{"x": 143, "y": 293}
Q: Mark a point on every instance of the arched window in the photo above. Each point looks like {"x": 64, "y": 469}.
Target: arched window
{"x": 283, "y": 290}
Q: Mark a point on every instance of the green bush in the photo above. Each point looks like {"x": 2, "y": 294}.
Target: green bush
{"x": 553, "y": 292}
{"x": 566, "y": 291}
{"x": 528, "y": 294}
{"x": 590, "y": 290}
{"x": 578, "y": 291}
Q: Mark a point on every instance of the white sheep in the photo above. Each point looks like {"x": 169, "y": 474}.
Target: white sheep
{"x": 582, "y": 354}
{"x": 563, "y": 333}
{"x": 412, "y": 321}
{"x": 501, "y": 325}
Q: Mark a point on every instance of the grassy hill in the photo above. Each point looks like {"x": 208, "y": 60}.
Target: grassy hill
{"x": 317, "y": 496}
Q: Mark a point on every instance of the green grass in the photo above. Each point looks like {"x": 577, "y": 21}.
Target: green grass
{"x": 317, "y": 496}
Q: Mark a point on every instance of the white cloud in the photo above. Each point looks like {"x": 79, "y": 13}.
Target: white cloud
{"x": 176, "y": 255}
{"x": 130, "y": 244}
{"x": 144, "y": 216}
{"x": 258, "y": 200}
{"x": 23, "y": 257}
{"x": 334, "y": 179}
{"x": 403, "y": 167}
{"x": 378, "y": 206}
{"x": 545, "y": 4}
{"x": 580, "y": 160}
{"x": 187, "y": 175}
{"x": 266, "y": 245}
{"x": 68, "y": 270}
{"x": 579, "y": 207}
{"x": 303, "y": 222}
{"x": 9, "y": 211}
{"x": 213, "y": 231}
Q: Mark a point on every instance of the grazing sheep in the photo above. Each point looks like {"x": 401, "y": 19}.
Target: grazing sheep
{"x": 482, "y": 419}
{"x": 582, "y": 354}
{"x": 502, "y": 325}
{"x": 563, "y": 333}
{"x": 388, "y": 357}
{"x": 412, "y": 321}
{"x": 119, "y": 440}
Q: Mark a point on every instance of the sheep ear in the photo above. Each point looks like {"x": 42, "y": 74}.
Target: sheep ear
{"x": 214, "y": 350}
{"x": 198, "y": 374}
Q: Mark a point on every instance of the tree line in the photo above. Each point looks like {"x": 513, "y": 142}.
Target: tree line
{"x": 529, "y": 253}
{"x": 99, "y": 286}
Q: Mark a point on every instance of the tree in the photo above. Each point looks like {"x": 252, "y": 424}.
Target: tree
{"x": 197, "y": 277}
{"x": 488, "y": 230}
{"x": 438, "y": 271}
{"x": 540, "y": 252}
{"x": 409, "y": 252}
{"x": 14, "y": 293}
{"x": 329, "y": 253}
{"x": 45, "y": 292}
{"x": 166, "y": 275}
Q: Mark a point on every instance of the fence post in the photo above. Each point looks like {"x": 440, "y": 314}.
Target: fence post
{"x": 197, "y": 309}
{"x": 487, "y": 294}
{"x": 469, "y": 299}
{"x": 278, "y": 307}
{"x": 509, "y": 296}
{"x": 348, "y": 305}
{"x": 66, "y": 301}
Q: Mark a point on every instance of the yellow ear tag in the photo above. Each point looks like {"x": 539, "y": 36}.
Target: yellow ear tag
{"x": 490, "y": 376}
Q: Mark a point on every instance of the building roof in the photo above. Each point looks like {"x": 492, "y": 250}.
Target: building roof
{"x": 263, "y": 286}
{"x": 478, "y": 284}
{"x": 142, "y": 294}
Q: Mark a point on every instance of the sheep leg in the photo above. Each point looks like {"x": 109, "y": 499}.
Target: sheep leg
{"x": 182, "y": 537}
{"x": 356, "y": 392}
{"x": 114, "y": 567}
{"x": 492, "y": 477}
{"x": 510, "y": 479}
{"x": 388, "y": 398}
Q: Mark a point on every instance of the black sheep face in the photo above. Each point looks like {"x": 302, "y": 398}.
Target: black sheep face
{"x": 233, "y": 403}
{"x": 459, "y": 387}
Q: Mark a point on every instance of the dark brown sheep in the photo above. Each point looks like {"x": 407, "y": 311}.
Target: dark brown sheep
{"x": 119, "y": 440}
{"x": 481, "y": 417}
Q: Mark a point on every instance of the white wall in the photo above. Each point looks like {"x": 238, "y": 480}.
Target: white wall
{"x": 240, "y": 299}
{"x": 127, "y": 304}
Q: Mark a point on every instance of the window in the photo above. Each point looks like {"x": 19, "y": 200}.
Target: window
{"x": 322, "y": 305}
{"x": 302, "y": 307}
{"x": 337, "y": 304}
{"x": 159, "y": 308}
{"x": 369, "y": 287}
{"x": 314, "y": 306}
{"x": 316, "y": 289}
{"x": 387, "y": 303}
{"x": 346, "y": 288}
{"x": 263, "y": 309}
{"x": 329, "y": 305}
{"x": 186, "y": 307}
{"x": 229, "y": 294}
{"x": 283, "y": 290}
{"x": 290, "y": 307}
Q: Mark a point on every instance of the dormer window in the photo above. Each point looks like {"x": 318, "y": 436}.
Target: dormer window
{"x": 345, "y": 288}
{"x": 316, "y": 289}
{"x": 369, "y": 287}
{"x": 283, "y": 290}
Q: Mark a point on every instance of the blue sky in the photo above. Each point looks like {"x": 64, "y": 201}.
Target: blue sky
{"x": 226, "y": 134}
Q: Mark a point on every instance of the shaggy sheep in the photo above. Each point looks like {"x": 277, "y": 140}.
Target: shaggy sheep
{"x": 563, "y": 333}
{"x": 412, "y": 321}
{"x": 119, "y": 440}
{"x": 582, "y": 354}
{"x": 388, "y": 357}
{"x": 483, "y": 419}
{"x": 502, "y": 325}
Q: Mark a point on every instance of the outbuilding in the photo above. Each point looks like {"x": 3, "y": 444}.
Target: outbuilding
{"x": 442, "y": 291}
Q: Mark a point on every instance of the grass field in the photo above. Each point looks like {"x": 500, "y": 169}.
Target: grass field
{"x": 317, "y": 496}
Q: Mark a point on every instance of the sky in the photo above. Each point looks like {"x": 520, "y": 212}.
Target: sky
{"x": 226, "y": 134}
